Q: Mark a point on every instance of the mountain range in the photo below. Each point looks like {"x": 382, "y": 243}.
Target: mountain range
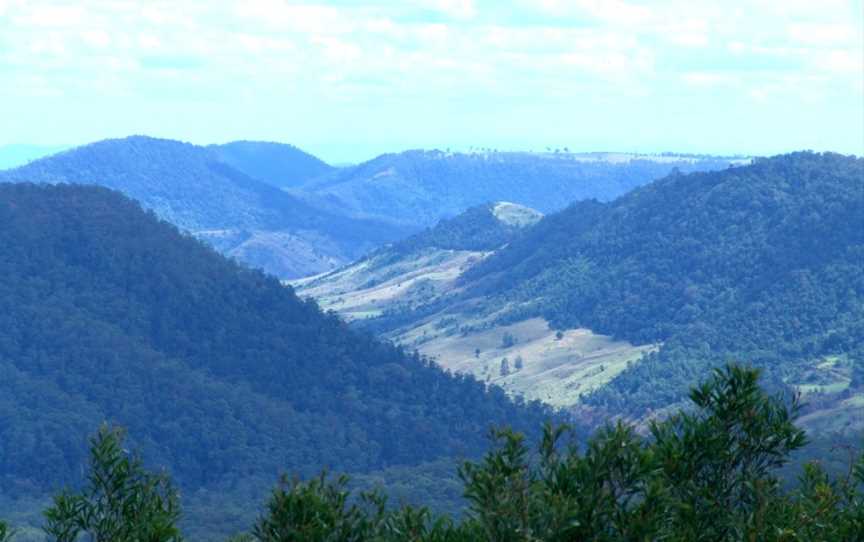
{"x": 615, "y": 308}
{"x": 274, "y": 207}
{"x": 418, "y": 188}
{"x": 199, "y": 190}
{"x": 117, "y": 310}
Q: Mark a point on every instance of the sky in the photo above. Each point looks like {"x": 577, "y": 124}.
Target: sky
{"x": 350, "y": 79}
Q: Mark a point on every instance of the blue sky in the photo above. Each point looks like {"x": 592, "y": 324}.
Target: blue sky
{"x": 349, "y": 79}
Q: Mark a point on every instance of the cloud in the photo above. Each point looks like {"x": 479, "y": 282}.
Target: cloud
{"x": 821, "y": 34}
{"x": 842, "y": 61}
{"x": 710, "y": 79}
{"x": 96, "y": 38}
{"x": 457, "y": 9}
{"x": 50, "y": 16}
{"x": 171, "y": 62}
{"x": 372, "y": 54}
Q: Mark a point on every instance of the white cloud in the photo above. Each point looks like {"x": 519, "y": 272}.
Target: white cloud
{"x": 457, "y": 9}
{"x": 148, "y": 41}
{"x": 710, "y": 79}
{"x": 49, "y": 16}
{"x": 293, "y": 17}
{"x": 821, "y": 34}
{"x": 842, "y": 61}
{"x": 96, "y": 38}
{"x": 363, "y": 49}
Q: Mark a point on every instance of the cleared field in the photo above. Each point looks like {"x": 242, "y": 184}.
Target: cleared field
{"x": 832, "y": 406}
{"x": 528, "y": 358}
{"x": 370, "y": 287}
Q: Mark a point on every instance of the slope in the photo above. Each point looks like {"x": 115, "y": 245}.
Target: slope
{"x": 241, "y": 216}
{"x": 409, "y": 292}
{"x": 762, "y": 263}
{"x": 221, "y": 374}
{"x": 421, "y": 187}
{"x": 415, "y": 271}
{"x": 278, "y": 164}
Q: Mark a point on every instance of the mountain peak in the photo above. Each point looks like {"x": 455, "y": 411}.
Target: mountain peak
{"x": 513, "y": 214}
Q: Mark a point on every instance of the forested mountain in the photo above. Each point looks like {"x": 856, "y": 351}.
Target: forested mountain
{"x": 221, "y": 374}
{"x": 198, "y": 191}
{"x": 421, "y": 187}
{"x": 278, "y": 164}
{"x": 761, "y": 263}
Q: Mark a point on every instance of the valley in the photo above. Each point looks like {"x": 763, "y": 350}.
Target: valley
{"x": 541, "y": 363}
{"x": 431, "y": 271}
{"x": 393, "y": 367}
{"x": 546, "y": 296}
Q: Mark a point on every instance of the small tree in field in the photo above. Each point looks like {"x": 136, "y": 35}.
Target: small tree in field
{"x": 121, "y": 502}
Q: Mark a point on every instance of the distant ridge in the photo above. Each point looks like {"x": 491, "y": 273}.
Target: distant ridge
{"x": 190, "y": 187}
{"x": 419, "y": 187}
{"x": 278, "y": 164}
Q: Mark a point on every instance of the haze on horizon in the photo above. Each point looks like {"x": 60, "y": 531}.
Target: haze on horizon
{"x": 350, "y": 79}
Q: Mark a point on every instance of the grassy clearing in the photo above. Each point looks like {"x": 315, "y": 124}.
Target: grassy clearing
{"x": 369, "y": 288}
{"x": 832, "y": 406}
{"x": 554, "y": 370}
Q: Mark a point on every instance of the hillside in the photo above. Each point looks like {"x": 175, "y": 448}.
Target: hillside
{"x": 222, "y": 375}
{"x": 410, "y": 292}
{"x": 415, "y": 271}
{"x": 278, "y": 164}
{"x": 762, "y": 263}
{"x": 421, "y": 187}
{"x": 241, "y": 216}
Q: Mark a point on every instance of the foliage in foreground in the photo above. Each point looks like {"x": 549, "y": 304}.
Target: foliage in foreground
{"x": 121, "y": 502}
{"x": 707, "y": 474}
{"x": 5, "y": 533}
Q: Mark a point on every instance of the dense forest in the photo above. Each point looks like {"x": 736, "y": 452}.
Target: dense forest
{"x": 421, "y": 187}
{"x": 708, "y": 474}
{"x": 221, "y": 374}
{"x": 763, "y": 263}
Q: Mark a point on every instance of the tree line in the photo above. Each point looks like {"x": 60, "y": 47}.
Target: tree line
{"x": 707, "y": 473}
